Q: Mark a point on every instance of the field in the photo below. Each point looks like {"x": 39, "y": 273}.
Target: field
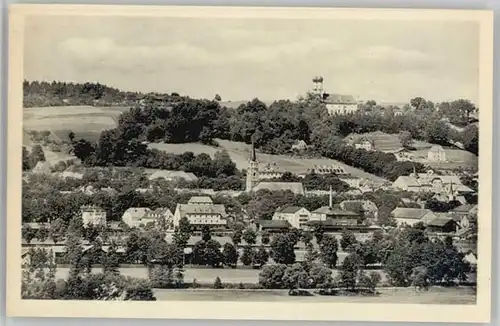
{"x": 435, "y": 295}
{"x": 240, "y": 154}
{"x": 388, "y": 142}
{"x": 202, "y": 275}
{"x": 85, "y": 121}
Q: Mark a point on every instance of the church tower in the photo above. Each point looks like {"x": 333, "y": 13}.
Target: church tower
{"x": 252, "y": 171}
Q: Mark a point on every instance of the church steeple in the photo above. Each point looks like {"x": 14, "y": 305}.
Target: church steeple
{"x": 253, "y": 158}
{"x": 252, "y": 171}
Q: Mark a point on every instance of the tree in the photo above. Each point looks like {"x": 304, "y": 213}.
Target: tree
{"x": 282, "y": 250}
{"x": 218, "y": 283}
{"x": 260, "y": 257}
{"x": 348, "y": 240}
{"x": 139, "y": 290}
{"x": 230, "y": 255}
{"x": 318, "y": 232}
{"x": 57, "y": 230}
{"x": 28, "y": 233}
{"x": 328, "y": 250}
{"x": 205, "y": 233}
{"x": 236, "y": 237}
{"x": 250, "y": 237}
{"x": 271, "y": 276}
{"x": 405, "y": 138}
{"x": 265, "y": 238}
{"x": 349, "y": 271}
{"x": 218, "y": 98}
{"x": 26, "y": 160}
{"x": 71, "y": 136}
{"x": 42, "y": 233}
{"x": 369, "y": 282}
{"x": 320, "y": 276}
{"x": 247, "y": 257}
{"x": 37, "y": 155}
{"x": 38, "y": 275}
{"x": 111, "y": 263}
{"x": 296, "y": 277}
{"x": 463, "y": 107}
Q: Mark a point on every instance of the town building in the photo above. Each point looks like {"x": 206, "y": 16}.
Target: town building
{"x": 365, "y": 208}
{"x": 299, "y": 146}
{"x": 412, "y": 216}
{"x": 442, "y": 224}
{"x": 365, "y": 143}
{"x": 430, "y": 182}
{"x": 436, "y": 154}
{"x": 273, "y": 226}
{"x": 137, "y": 216}
{"x": 254, "y": 177}
{"x": 465, "y": 215}
{"x": 93, "y": 215}
{"x": 200, "y": 211}
{"x": 335, "y": 103}
{"x": 334, "y": 214}
{"x": 295, "y": 215}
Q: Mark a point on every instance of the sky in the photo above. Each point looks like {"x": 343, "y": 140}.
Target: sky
{"x": 240, "y": 59}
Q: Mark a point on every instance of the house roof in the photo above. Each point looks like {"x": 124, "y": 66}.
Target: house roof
{"x": 334, "y": 211}
{"x": 440, "y": 221}
{"x": 467, "y": 208}
{"x": 159, "y": 211}
{"x": 340, "y": 99}
{"x": 408, "y": 181}
{"x": 200, "y": 200}
{"x": 187, "y": 209}
{"x": 274, "y": 224}
{"x": 290, "y": 209}
{"x": 410, "y": 213}
{"x": 295, "y": 187}
{"x": 137, "y": 212}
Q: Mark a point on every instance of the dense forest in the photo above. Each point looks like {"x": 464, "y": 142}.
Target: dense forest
{"x": 273, "y": 129}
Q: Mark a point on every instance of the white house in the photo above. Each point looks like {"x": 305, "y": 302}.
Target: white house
{"x": 365, "y": 143}
{"x": 299, "y": 145}
{"x": 436, "y": 154}
{"x": 412, "y": 216}
{"x": 93, "y": 215}
{"x": 201, "y": 211}
{"x": 137, "y": 216}
{"x": 296, "y": 216}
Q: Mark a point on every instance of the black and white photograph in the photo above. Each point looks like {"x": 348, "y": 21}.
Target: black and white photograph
{"x": 250, "y": 156}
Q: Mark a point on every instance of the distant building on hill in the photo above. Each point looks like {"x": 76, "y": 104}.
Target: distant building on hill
{"x": 93, "y": 215}
{"x": 201, "y": 211}
{"x": 335, "y": 103}
{"x": 366, "y": 144}
{"x": 299, "y": 145}
{"x": 436, "y": 154}
{"x": 412, "y": 216}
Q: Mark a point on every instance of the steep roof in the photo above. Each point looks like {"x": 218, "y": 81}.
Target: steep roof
{"x": 334, "y": 211}
{"x": 410, "y": 213}
{"x": 42, "y": 167}
{"x": 137, "y": 212}
{"x": 440, "y": 221}
{"x": 295, "y": 187}
{"x": 290, "y": 209}
{"x": 274, "y": 224}
{"x": 465, "y": 208}
{"x": 408, "y": 181}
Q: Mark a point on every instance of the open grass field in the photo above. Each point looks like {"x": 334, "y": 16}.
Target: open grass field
{"x": 202, "y": 275}
{"x": 388, "y": 142}
{"x": 85, "y": 121}
{"x": 435, "y": 295}
{"x": 240, "y": 153}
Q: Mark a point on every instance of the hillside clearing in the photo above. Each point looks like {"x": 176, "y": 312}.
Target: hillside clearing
{"x": 240, "y": 153}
